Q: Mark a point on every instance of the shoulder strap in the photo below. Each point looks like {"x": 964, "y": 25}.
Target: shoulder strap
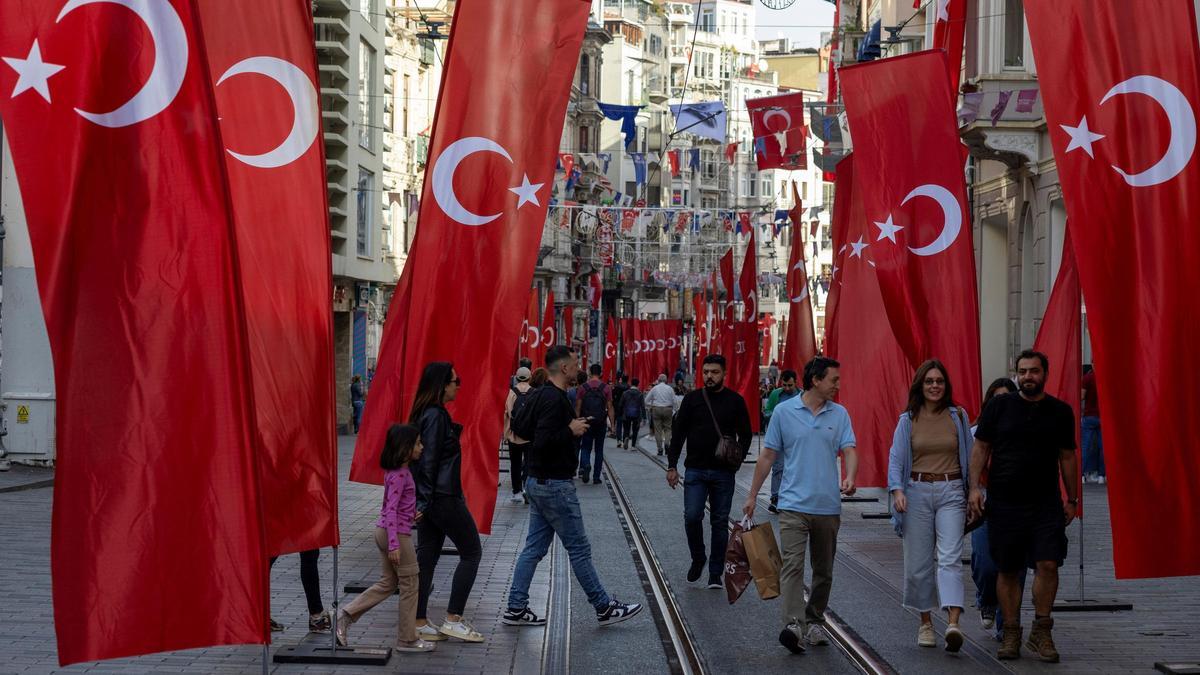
{"x": 704, "y": 392}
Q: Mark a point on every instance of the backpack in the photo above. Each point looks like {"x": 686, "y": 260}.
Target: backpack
{"x": 594, "y": 404}
{"x": 632, "y": 403}
{"x": 523, "y": 422}
{"x": 522, "y": 397}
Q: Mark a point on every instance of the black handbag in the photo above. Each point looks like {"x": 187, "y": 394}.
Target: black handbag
{"x": 728, "y": 451}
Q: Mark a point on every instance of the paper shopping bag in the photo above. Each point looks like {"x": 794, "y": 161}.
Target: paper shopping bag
{"x": 737, "y": 566}
{"x": 765, "y": 562}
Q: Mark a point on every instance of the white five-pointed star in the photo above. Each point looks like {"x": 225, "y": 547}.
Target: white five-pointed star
{"x": 1082, "y": 137}
{"x": 32, "y": 72}
{"x": 888, "y": 230}
{"x": 858, "y": 248}
{"x": 527, "y": 192}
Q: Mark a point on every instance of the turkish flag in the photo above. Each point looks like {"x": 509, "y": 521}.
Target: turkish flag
{"x": 262, "y": 59}
{"x": 568, "y": 322}
{"x": 1123, "y": 127}
{"x": 796, "y": 213}
{"x": 491, "y": 162}
{"x": 700, "y": 331}
{"x": 764, "y": 328}
{"x": 549, "y": 330}
{"x": 801, "y": 341}
{"x": 875, "y": 374}
{"x": 610, "y": 348}
{"x": 748, "y": 282}
{"x": 741, "y": 374}
{"x": 530, "y": 338}
{"x": 629, "y": 348}
{"x": 727, "y": 314}
{"x": 949, "y": 33}
{"x": 779, "y": 131}
{"x": 673, "y": 160}
{"x": 1059, "y": 338}
{"x": 919, "y": 234}
{"x": 158, "y": 540}
{"x": 842, "y": 188}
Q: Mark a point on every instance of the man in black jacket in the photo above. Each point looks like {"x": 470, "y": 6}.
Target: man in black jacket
{"x": 708, "y": 479}
{"x": 553, "y": 504}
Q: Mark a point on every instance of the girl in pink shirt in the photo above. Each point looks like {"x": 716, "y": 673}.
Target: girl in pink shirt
{"x": 393, "y": 536}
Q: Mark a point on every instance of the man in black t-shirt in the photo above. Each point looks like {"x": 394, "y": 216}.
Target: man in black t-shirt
{"x": 1028, "y": 438}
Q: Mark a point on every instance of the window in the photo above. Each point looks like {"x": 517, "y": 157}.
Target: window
{"x": 405, "y": 92}
{"x": 1014, "y": 33}
{"x": 366, "y": 96}
{"x": 367, "y": 9}
{"x": 585, "y": 139}
{"x": 585, "y": 74}
{"x": 365, "y": 211}
{"x": 412, "y": 205}
{"x": 767, "y": 187}
{"x": 708, "y": 22}
{"x": 395, "y": 220}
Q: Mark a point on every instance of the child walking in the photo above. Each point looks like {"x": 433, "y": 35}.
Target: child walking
{"x": 393, "y": 536}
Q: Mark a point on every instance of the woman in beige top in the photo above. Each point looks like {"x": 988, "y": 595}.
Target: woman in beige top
{"x": 927, "y": 469}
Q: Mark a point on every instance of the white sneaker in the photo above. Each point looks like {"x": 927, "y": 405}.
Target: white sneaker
{"x": 925, "y": 636}
{"x": 460, "y": 630}
{"x": 954, "y": 638}
{"x": 1100, "y": 480}
{"x": 816, "y": 635}
{"x": 429, "y": 633}
{"x": 417, "y": 645}
{"x": 516, "y": 498}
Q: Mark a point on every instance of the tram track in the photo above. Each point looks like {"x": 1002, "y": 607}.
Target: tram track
{"x": 679, "y": 642}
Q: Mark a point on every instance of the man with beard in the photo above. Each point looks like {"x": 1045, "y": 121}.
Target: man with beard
{"x": 704, "y": 416}
{"x": 1026, "y": 441}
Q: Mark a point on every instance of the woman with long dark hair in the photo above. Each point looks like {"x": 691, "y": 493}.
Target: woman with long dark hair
{"x": 927, "y": 478}
{"x": 441, "y": 508}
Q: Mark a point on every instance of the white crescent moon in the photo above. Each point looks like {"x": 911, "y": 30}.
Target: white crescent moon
{"x": 672, "y": 343}
{"x": 304, "y": 104}
{"x": 443, "y": 177}
{"x": 766, "y": 119}
{"x": 170, "y": 62}
{"x": 536, "y": 336}
{"x": 951, "y": 210}
{"x": 660, "y": 345}
{"x": 524, "y": 331}
{"x": 548, "y": 336}
{"x": 1183, "y": 128}
{"x": 751, "y": 299}
{"x": 804, "y": 292}
{"x": 609, "y": 350}
{"x": 637, "y": 346}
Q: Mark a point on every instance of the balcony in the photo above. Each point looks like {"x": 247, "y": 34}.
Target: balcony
{"x": 333, "y": 75}
{"x": 656, "y": 89}
{"x": 1015, "y": 139}
{"x": 331, "y": 35}
{"x": 334, "y": 120}
{"x": 336, "y": 139}
{"x": 333, "y": 5}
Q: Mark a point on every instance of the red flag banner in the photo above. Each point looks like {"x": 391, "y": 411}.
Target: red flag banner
{"x": 530, "y": 337}
{"x": 875, "y": 373}
{"x": 949, "y": 33}
{"x": 748, "y": 282}
{"x": 485, "y": 199}
{"x": 1059, "y": 337}
{"x": 919, "y": 234}
{"x": 801, "y": 340}
{"x": 132, "y": 229}
{"x": 779, "y": 132}
{"x": 842, "y": 204}
{"x": 568, "y": 323}
{"x": 1124, "y": 137}
{"x": 742, "y": 367}
{"x": 289, "y": 307}
{"x": 549, "y": 330}
{"x": 611, "y": 341}
{"x": 727, "y": 307}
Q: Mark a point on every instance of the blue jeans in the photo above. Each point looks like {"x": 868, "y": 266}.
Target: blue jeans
{"x": 983, "y": 571}
{"x": 715, "y": 487}
{"x": 776, "y": 476}
{"x": 1093, "y": 447}
{"x": 554, "y": 509}
{"x": 933, "y": 541}
{"x": 358, "y": 408}
{"x": 592, "y": 439}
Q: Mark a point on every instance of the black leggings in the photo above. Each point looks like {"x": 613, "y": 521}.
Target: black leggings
{"x": 447, "y": 517}
{"x": 516, "y": 466}
{"x": 310, "y": 579}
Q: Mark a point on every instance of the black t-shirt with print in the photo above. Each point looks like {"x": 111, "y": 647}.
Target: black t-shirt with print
{"x": 1027, "y": 438}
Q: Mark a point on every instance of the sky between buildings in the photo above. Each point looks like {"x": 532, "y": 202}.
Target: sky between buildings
{"x": 802, "y": 23}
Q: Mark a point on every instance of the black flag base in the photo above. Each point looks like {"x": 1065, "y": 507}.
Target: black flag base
{"x": 1093, "y": 606}
{"x": 316, "y": 648}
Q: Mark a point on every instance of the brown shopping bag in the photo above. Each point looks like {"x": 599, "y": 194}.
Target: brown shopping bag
{"x": 737, "y": 566}
{"x": 765, "y": 561}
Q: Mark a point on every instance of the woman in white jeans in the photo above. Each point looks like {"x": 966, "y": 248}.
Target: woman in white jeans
{"x": 927, "y": 478}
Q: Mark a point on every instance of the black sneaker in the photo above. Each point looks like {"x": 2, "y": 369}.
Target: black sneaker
{"x": 616, "y": 612}
{"x": 774, "y": 506}
{"x": 522, "y": 617}
{"x": 790, "y": 637}
{"x": 276, "y": 627}
{"x": 714, "y": 581}
{"x": 695, "y": 570}
{"x": 585, "y": 479}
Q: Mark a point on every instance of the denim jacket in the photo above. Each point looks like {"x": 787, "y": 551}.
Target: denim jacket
{"x": 900, "y": 458}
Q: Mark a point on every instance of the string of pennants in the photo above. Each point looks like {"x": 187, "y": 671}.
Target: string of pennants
{"x": 639, "y": 222}
{"x": 974, "y": 104}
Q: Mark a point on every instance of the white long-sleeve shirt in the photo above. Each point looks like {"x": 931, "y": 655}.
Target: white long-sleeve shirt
{"x": 661, "y": 395}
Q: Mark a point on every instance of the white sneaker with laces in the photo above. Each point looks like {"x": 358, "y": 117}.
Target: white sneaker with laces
{"x": 517, "y": 498}
{"x": 816, "y": 635}
{"x": 925, "y": 636}
{"x": 460, "y": 630}
{"x": 430, "y": 633}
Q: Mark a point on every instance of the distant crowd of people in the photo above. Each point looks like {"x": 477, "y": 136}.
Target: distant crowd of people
{"x": 1004, "y": 478}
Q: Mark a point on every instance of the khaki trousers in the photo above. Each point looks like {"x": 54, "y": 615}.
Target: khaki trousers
{"x": 798, "y": 533}
{"x": 403, "y": 575}
{"x": 661, "y": 416}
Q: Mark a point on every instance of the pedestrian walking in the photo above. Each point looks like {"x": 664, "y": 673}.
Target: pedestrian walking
{"x": 522, "y": 363}
{"x": 983, "y": 568}
{"x": 633, "y": 409}
{"x": 441, "y": 508}
{"x": 927, "y": 464}
{"x": 1093, "y": 447}
{"x": 1027, "y": 443}
{"x": 773, "y": 373}
{"x": 517, "y": 397}
{"x": 357, "y": 401}
{"x": 810, "y": 430}
{"x": 593, "y": 402}
{"x": 310, "y": 579}
{"x": 661, "y": 401}
{"x": 393, "y": 537}
{"x": 618, "y": 393}
{"x": 552, "y": 425}
{"x": 706, "y": 416}
{"x": 787, "y": 390}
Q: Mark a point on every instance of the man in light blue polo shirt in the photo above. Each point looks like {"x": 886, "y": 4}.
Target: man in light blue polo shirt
{"x": 808, "y": 431}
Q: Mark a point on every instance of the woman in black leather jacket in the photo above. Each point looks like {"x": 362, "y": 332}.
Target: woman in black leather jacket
{"x": 441, "y": 508}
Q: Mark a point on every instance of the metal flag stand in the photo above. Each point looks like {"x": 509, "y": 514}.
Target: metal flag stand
{"x": 1083, "y": 604}
{"x": 312, "y": 649}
